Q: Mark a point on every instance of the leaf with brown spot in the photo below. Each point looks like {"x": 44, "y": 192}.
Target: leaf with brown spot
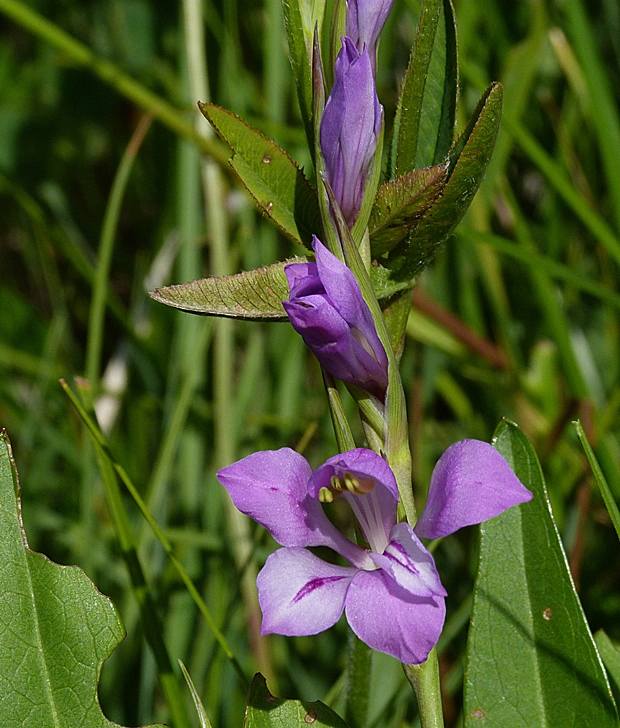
{"x": 276, "y": 183}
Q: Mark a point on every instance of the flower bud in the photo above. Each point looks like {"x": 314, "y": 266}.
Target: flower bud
{"x": 350, "y": 128}
{"x": 327, "y": 309}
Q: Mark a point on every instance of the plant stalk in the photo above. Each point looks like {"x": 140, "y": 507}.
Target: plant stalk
{"x": 424, "y": 680}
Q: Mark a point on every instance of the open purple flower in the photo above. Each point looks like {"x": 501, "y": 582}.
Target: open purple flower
{"x": 391, "y": 594}
{"x": 350, "y": 128}
{"x": 365, "y": 20}
{"x": 326, "y": 307}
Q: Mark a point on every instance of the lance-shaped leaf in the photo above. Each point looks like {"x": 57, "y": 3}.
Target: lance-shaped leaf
{"x": 266, "y": 711}
{"x": 426, "y": 112}
{"x": 468, "y": 162}
{"x": 255, "y": 294}
{"x": 272, "y": 178}
{"x": 401, "y": 203}
{"x": 610, "y": 654}
{"x": 300, "y": 19}
{"x": 56, "y": 629}
{"x": 531, "y": 659}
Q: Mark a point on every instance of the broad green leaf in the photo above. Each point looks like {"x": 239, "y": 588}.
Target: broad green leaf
{"x": 266, "y": 711}
{"x": 469, "y": 160}
{"x": 255, "y": 294}
{"x": 399, "y": 205}
{"x": 272, "y": 178}
{"x": 610, "y": 654}
{"x": 426, "y": 112}
{"x": 56, "y": 629}
{"x": 531, "y": 659}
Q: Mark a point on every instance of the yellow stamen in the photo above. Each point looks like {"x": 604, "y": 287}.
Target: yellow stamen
{"x": 326, "y": 495}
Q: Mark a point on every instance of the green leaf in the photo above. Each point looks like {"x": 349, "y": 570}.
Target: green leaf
{"x": 300, "y": 17}
{"x": 56, "y": 629}
{"x": 531, "y": 659}
{"x": 266, "y": 711}
{"x": 272, "y": 178}
{"x": 400, "y": 204}
{"x": 469, "y": 160}
{"x": 255, "y": 294}
{"x": 426, "y": 112}
{"x": 200, "y": 709}
{"x": 610, "y": 654}
{"x": 608, "y": 496}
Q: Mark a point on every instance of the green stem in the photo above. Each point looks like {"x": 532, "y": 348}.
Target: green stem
{"x": 424, "y": 680}
{"x": 224, "y": 333}
{"x": 111, "y": 74}
{"x": 104, "y": 256}
{"x": 342, "y": 430}
{"x": 126, "y": 532}
{"x": 396, "y": 435}
{"x": 153, "y": 628}
{"x": 358, "y": 682}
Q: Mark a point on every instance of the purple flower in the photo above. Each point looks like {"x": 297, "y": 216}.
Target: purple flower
{"x": 350, "y": 128}
{"x": 391, "y": 594}
{"x": 326, "y": 307}
{"x": 365, "y": 20}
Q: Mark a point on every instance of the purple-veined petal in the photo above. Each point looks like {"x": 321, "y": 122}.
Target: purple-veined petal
{"x": 471, "y": 483}
{"x": 410, "y": 565}
{"x": 299, "y": 594}
{"x": 389, "y": 619}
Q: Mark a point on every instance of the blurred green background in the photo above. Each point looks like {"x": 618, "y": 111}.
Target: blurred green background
{"x": 517, "y": 317}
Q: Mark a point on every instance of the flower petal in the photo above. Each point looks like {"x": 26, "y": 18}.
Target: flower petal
{"x": 360, "y": 461}
{"x": 299, "y": 594}
{"x": 341, "y": 286}
{"x": 389, "y": 619}
{"x": 303, "y": 279}
{"x": 471, "y": 483}
{"x": 410, "y": 565}
{"x": 271, "y": 487}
